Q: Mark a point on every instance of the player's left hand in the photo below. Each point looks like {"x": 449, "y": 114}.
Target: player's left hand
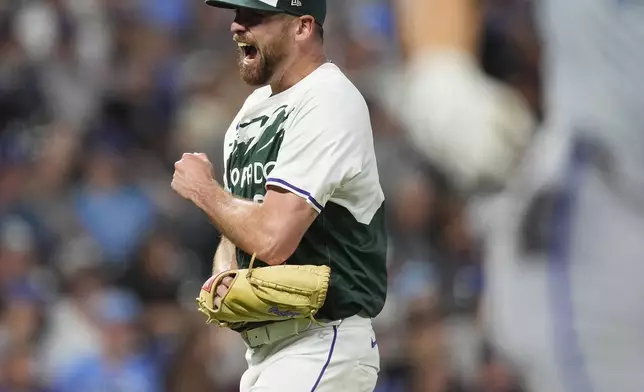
{"x": 222, "y": 289}
{"x": 192, "y": 173}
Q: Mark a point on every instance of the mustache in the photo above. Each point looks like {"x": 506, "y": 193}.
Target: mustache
{"x": 242, "y": 40}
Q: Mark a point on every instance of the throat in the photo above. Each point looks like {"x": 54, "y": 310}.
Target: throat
{"x": 295, "y": 73}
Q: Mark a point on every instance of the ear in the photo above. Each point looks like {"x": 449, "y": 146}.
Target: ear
{"x": 304, "y": 28}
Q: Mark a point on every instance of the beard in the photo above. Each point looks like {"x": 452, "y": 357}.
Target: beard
{"x": 259, "y": 68}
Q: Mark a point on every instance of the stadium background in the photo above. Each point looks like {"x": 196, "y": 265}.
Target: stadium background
{"x": 100, "y": 261}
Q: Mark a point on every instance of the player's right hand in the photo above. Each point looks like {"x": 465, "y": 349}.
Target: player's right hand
{"x": 222, "y": 289}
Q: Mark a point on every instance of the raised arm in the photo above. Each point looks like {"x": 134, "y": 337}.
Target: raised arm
{"x": 471, "y": 126}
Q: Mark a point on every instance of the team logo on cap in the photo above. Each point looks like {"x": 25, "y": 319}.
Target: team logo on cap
{"x": 296, "y": 3}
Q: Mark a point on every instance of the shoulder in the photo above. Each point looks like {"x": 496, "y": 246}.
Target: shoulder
{"x": 331, "y": 115}
{"x": 330, "y": 102}
{"x": 329, "y": 87}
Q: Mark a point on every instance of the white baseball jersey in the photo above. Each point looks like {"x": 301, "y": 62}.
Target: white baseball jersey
{"x": 315, "y": 140}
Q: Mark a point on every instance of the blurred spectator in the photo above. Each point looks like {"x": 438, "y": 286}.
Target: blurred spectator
{"x": 72, "y": 331}
{"x": 20, "y": 262}
{"x": 211, "y": 359}
{"x": 496, "y": 374}
{"x": 49, "y": 192}
{"x": 17, "y": 257}
{"x": 204, "y": 115}
{"x": 70, "y": 84}
{"x": 36, "y": 26}
{"x": 21, "y": 94}
{"x": 172, "y": 15}
{"x": 115, "y": 213}
{"x": 413, "y": 205}
{"x": 157, "y": 276}
{"x": 425, "y": 343}
{"x": 120, "y": 365}
{"x": 190, "y": 373}
{"x": 23, "y": 316}
{"x": 20, "y": 371}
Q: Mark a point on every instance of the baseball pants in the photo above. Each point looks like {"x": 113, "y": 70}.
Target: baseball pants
{"x": 565, "y": 273}
{"x": 339, "y": 356}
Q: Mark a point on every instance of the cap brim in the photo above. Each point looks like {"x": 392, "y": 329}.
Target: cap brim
{"x": 250, "y": 4}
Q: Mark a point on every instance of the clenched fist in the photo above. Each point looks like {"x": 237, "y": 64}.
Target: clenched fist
{"x": 192, "y": 173}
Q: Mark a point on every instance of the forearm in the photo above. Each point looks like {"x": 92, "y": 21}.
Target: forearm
{"x": 225, "y": 257}
{"x": 437, "y": 25}
{"x": 242, "y": 222}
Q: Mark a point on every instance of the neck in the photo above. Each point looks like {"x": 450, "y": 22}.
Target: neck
{"x": 295, "y": 71}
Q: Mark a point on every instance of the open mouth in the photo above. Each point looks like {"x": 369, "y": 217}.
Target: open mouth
{"x": 250, "y": 52}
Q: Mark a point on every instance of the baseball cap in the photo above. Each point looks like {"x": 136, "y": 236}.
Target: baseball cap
{"x": 315, "y": 8}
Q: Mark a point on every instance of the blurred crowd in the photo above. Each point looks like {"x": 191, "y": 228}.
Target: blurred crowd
{"x": 100, "y": 261}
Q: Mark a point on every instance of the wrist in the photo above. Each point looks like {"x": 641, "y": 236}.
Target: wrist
{"x": 219, "y": 271}
{"x": 203, "y": 193}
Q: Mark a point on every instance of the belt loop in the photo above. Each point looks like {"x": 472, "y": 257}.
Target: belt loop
{"x": 305, "y": 328}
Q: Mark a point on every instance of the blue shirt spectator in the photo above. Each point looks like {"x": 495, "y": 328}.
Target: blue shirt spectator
{"x": 119, "y": 367}
{"x": 168, "y": 14}
{"x": 134, "y": 374}
{"x": 117, "y": 219}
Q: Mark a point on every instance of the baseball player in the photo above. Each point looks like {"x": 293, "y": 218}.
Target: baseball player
{"x": 300, "y": 188}
{"x": 565, "y": 249}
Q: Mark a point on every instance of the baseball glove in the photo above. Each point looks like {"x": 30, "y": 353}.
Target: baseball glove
{"x": 273, "y": 293}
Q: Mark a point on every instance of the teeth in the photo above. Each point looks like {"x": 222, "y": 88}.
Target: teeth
{"x": 242, "y": 45}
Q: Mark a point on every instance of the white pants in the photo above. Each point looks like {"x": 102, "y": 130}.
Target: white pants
{"x": 339, "y": 357}
{"x": 571, "y": 317}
